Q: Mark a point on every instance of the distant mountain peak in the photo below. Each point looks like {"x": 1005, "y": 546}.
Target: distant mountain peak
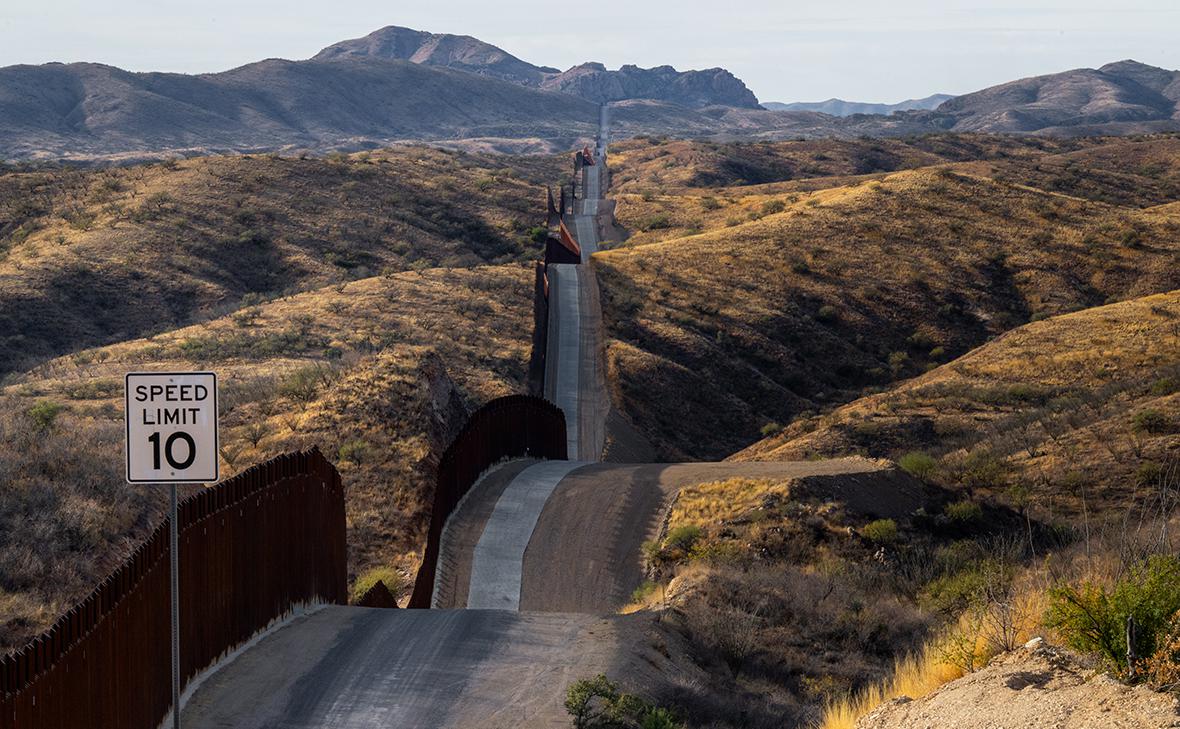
{"x": 591, "y": 80}
{"x": 461, "y": 52}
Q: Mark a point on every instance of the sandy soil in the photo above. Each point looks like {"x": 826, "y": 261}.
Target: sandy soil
{"x": 1031, "y": 687}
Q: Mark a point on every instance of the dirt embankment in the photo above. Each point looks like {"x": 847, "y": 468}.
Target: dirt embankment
{"x": 1034, "y": 686}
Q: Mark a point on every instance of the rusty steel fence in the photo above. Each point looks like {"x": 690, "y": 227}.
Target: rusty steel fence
{"x": 252, "y": 549}
{"x": 515, "y": 426}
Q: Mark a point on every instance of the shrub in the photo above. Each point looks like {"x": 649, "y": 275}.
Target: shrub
{"x": 597, "y": 703}
{"x": 683, "y": 537}
{"x": 657, "y": 222}
{"x": 1091, "y": 616}
{"x": 827, "y": 314}
{"x": 44, "y": 415}
{"x": 982, "y": 469}
{"x": 771, "y": 429}
{"x": 881, "y": 531}
{"x": 644, "y": 591}
{"x": 1148, "y": 473}
{"x": 898, "y": 361}
{"x": 710, "y": 203}
{"x": 771, "y": 207}
{"x": 1165, "y": 386}
{"x": 964, "y": 512}
{"x": 354, "y": 451}
{"x": 1151, "y": 421}
{"x": 392, "y": 578}
{"x": 918, "y": 464}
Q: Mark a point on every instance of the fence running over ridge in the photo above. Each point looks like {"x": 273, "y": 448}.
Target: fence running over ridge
{"x": 515, "y": 426}
{"x": 252, "y": 549}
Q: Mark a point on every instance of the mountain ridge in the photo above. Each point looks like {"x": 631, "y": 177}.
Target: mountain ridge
{"x": 399, "y": 85}
{"x": 842, "y": 107}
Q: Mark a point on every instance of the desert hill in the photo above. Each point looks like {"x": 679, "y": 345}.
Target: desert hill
{"x": 93, "y": 257}
{"x": 739, "y": 308}
{"x": 380, "y": 373}
{"x": 1046, "y": 406}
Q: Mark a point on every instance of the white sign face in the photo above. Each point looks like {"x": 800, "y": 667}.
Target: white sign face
{"x": 171, "y": 427}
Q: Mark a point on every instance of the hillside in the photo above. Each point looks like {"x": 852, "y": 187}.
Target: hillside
{"x": 379, "y": 373}
{"x": 1079, "y": 406}
{"x": 92, "y": 257}
{"x": 1126, "y": 94}
{"x": 759, "y": 303}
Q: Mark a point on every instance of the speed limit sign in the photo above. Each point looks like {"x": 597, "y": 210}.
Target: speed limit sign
{"x": 171, "y": 427}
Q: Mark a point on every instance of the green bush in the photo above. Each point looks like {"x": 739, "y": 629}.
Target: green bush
{"x": 354, "y": 451}
{"x": 918, "y": 464}
{"x": 597, "y": 703}
{"x": 644, "y": 591}
{"x": 1165, "y": 386}
{"x": 881, "y": 531}
{"x": 393, "y": 580}
{"x": 1151, "y": 421}
{"x": 771, "y": 207}
{"x": 771, "y": 429}
{"x": 657, "y": 222}
{"x": 683, "y": 537}
{"x": 898, "y": 361}
{"x": 44, "y": 415}
{"x": 983, "y": 469}
{"x": 827, "y": 314}
{"x": 1148, "y": 473}
{"x": 964, "y": 512}
{"x": 1091, "y": 616}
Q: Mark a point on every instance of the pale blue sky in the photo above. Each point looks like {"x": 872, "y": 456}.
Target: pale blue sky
{"x": 785, "y": 51}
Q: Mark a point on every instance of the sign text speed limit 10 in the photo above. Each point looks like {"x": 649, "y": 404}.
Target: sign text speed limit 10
{"x": 171, "y": 427}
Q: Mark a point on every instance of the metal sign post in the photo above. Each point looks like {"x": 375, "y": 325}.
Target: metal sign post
{"x": 172, "y": 438}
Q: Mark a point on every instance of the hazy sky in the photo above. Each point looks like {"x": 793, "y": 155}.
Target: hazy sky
{"x": 784, "y": 51}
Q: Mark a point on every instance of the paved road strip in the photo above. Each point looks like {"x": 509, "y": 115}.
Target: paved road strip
{"x": 498, "y": 560}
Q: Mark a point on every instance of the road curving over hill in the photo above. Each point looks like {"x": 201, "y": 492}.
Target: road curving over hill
{"x": 540, "y": 553}
{"x": 584, "y": 548}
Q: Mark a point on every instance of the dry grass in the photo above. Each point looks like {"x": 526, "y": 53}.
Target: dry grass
{"x": 90, "y": 257}
{"x": 379, "y": 373}
{"x": 968, "y": 644}
{"x": 1054, "y": 400}
{"x": 711, "y": 337}
{"x": 719, "y": 501}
